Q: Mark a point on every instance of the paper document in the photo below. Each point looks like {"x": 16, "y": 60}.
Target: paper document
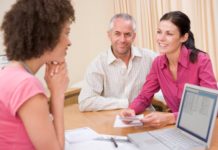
{"x": 100, "y": 145}
{"x": 118, "y": 123}
{"x": 86, "y": 138}
{"x": 80, "y": 135}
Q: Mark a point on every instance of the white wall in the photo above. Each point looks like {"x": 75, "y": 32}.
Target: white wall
{"x": 216, "y": 22}
{"x": 5, "y": 5}
{"x": 88, "y": 34}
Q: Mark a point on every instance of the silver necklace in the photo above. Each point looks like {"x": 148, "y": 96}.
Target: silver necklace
{"x": 26, "y": 67}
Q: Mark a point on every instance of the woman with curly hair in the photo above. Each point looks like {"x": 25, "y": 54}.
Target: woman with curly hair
{"x": 35, "y": 33}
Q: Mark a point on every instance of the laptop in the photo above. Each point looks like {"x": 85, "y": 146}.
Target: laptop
{"x": 194, "y": 126}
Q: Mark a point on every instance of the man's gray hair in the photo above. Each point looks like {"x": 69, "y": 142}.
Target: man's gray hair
{"x": 125, "y": 17}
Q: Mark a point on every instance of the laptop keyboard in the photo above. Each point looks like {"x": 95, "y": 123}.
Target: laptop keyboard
{"x": 174, "y": 139}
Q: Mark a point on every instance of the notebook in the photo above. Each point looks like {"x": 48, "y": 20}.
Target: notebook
{"x": 194, "y": 126}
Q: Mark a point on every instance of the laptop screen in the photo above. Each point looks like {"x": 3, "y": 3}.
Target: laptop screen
{"x": 196, "y": 113}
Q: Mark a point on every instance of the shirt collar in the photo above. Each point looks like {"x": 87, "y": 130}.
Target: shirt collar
{"x": 134, "y": 53}
{"x": 183, "y": 58}
{"x": 111, "y": 58}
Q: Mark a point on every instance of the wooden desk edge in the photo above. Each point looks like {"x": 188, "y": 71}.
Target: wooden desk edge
{"x": 72, "y": 91}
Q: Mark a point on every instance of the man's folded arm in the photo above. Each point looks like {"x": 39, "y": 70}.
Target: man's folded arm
{"x": 97, "y": 102}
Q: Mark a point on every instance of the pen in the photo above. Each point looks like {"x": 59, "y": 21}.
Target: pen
{"x": 115, "y": 143}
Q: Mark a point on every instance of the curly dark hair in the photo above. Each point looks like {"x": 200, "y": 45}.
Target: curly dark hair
{"x": 32, "y": 27}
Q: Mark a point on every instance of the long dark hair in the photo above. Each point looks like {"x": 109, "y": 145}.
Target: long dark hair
{"x": 182, "y": 21}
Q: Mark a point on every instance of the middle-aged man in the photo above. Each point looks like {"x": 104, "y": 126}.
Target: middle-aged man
{"x": 116, "y": 76}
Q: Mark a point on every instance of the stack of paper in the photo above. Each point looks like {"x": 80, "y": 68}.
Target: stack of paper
{"x": 80, "y": 135}
{"x": 86, "y": 138}
{"x": 119, "y": 123}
